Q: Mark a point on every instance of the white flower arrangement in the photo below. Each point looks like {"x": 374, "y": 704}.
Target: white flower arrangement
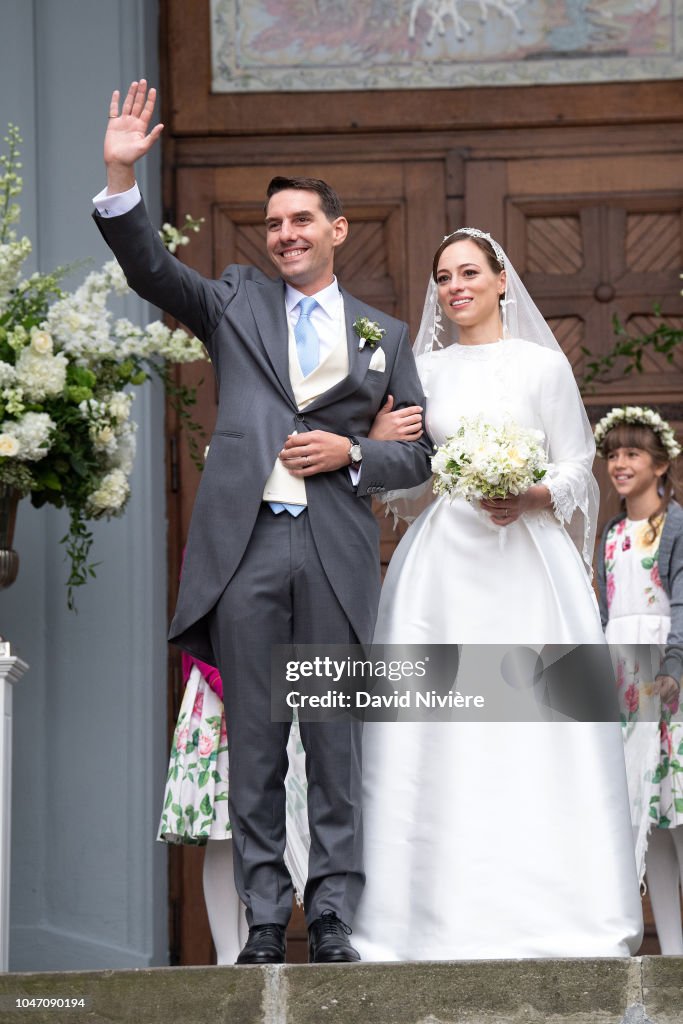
{"x": 485, "y": 461}
{"x": 637, "y": 414}
{"x": 66, "y": 370}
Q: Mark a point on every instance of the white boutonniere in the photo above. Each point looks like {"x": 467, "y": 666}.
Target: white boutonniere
{"x": 369, "y": 332}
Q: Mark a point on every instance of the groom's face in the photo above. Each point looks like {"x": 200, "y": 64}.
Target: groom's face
{"x": 301, "y": 239}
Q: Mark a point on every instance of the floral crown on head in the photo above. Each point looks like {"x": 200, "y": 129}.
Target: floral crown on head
{"x": 637, "y": 414}
{"x": 478, "y": 233}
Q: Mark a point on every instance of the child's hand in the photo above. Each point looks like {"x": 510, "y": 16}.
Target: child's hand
{"x": 667, "y": 688}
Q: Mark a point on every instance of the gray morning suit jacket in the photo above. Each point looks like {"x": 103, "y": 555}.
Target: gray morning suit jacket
{"x": 241, "y": 319}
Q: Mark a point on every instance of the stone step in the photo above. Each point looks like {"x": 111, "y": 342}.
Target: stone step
{"x": 644, "y": 990}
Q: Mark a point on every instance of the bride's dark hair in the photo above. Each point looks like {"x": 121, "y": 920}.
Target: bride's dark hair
{"x": 465, "y": 236}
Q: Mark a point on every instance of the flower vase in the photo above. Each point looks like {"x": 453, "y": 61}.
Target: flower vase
{"x": 9, "y": 559}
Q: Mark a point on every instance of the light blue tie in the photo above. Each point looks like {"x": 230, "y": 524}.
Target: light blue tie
{"x": 308, "y": 351}
{"x": 307, "y": 340}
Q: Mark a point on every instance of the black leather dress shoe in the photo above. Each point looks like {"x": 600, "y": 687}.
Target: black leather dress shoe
{"x": 265, "y": 945}
{"x": 328, "y": 941}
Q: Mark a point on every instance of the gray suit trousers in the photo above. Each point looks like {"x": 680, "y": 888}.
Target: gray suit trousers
{"x": 281, "y": 595}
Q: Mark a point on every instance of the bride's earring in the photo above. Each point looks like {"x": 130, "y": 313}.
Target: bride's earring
{"x": 437, "y": 328}
{"x": 504, "y": 314}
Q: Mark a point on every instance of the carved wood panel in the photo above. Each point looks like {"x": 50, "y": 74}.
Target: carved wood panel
{"x": 589, "y": 259}
{"x": 366, "y": 265}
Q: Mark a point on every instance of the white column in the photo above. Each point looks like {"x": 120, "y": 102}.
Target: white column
{"x": 11, "y": 671}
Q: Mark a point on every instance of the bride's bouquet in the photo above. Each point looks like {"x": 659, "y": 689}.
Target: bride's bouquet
{"x": 485, "y": 461}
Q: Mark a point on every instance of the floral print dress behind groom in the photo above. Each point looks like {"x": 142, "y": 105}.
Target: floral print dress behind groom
{"x": 639, "y": 615}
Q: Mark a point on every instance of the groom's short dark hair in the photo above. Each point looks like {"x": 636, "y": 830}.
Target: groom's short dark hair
{"x": 330, "y": 203}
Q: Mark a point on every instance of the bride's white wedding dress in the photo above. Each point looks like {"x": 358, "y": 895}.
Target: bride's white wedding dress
{"x": 496, "y": 840}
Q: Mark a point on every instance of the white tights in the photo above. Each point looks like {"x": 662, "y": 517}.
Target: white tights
{"x": 664, "y": 871}
{"x": 227, "y": 918}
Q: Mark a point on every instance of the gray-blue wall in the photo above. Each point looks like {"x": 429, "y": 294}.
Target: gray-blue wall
{"x": 88, "y": 879}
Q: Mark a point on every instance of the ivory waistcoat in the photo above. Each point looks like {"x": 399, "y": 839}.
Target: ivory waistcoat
{"x": 281, "y": 485}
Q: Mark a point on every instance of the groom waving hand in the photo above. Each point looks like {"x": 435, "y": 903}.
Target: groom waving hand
{"x": 283, "y": 545}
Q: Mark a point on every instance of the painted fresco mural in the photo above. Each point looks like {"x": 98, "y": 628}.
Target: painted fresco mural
{"x": 301, "y": 45}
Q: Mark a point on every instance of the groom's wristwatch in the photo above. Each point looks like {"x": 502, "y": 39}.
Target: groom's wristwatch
{"x": 355, "y": 451}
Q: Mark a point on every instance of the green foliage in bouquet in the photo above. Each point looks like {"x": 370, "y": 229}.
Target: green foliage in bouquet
{"x": 67, "y": 373}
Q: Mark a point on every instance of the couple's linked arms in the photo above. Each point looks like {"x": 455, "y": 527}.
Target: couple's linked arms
{"x": 319, "y": 451}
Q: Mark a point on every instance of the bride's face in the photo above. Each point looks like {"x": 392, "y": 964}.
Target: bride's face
{"x": 468, "y": 289}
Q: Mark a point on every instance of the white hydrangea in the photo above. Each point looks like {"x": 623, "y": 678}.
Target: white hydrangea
{"x": 8, "y": 374}
{"x": 92, "y": 409}
{"x": 41, "y": 375}
{"x": 118, "y": 406}
{"x": 32, "y": 433}
{"x": 110, "y": 497}
{"x": 108, "y": 422}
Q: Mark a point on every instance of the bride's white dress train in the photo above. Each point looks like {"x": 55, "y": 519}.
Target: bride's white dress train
{"x": 496, "y": 840}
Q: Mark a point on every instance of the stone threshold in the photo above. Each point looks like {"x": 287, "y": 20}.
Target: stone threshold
{"x": 642, "y": 990}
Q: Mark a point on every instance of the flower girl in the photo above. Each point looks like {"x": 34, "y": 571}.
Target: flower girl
{"x": 640, "y": 575}
{"x": 195, "y": 809}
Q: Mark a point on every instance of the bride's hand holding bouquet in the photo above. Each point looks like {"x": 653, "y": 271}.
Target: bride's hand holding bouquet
{"x": 498, "y": 467}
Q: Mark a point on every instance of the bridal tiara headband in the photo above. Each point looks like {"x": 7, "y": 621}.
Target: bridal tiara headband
{"x": 642, "y": 416}
{"x": 478, "y": 233}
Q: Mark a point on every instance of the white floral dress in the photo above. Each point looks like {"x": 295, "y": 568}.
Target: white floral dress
{"x": 639, "y": 616}
{"x": 195, "y": 805}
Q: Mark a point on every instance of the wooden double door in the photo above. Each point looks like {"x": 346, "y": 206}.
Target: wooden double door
{"x": 591, "y": 219}
{"x": 591, "y": 216}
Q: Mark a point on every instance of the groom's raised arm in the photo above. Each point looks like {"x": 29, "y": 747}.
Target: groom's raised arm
{"x": 150, "y": 269}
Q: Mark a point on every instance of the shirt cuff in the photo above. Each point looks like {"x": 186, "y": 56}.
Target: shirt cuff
{"x": 354, "y": 473}
{"x": 118, "y": 204}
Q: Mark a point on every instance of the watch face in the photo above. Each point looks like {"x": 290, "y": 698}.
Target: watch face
{"x": 355, "y": 453}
